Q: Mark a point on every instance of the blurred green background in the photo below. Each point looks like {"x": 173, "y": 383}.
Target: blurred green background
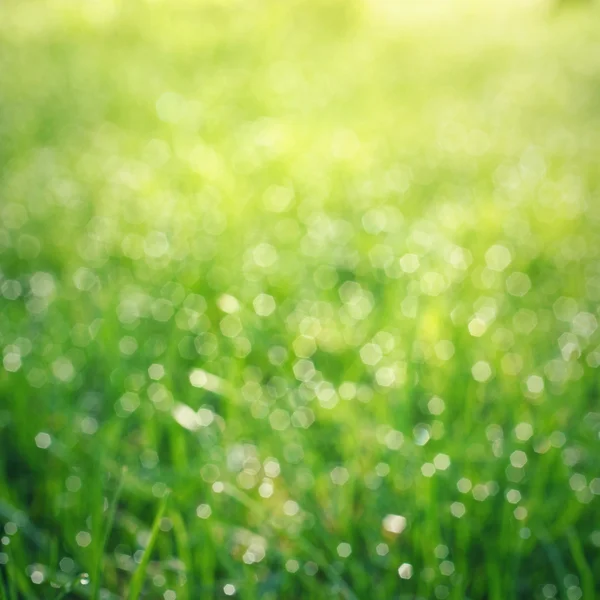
{"x": 299, "y": 299}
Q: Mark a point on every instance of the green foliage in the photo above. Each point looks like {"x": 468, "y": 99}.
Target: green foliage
{"x": 326, "y": 273}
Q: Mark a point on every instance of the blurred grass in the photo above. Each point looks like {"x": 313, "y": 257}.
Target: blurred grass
{"x": 341, "y": 212}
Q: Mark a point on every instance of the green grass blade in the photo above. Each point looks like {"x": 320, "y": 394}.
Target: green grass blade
{"x": 183, "y": 550}
{"x": 137, "y": 580}
{"x": 3, "y": 595}
{"x": 96, "y": 579}
{"x": 587, "y": 576}
{"x": 12, "y": 581}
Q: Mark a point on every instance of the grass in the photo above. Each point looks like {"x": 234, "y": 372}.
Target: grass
{"x": 325, "y": 273}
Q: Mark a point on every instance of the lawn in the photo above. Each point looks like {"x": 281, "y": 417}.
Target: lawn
{"x": 299, "y": 300}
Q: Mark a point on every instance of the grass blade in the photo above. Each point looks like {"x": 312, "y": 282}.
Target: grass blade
{"x": 585, "y": 572}
{"x": 109, "y": 524}
{"x": 3, "y": 593}
{"x": 137, "y": 580}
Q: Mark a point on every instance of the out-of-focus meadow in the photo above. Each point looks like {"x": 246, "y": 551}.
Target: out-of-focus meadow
{"x": 299, "y": 299}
